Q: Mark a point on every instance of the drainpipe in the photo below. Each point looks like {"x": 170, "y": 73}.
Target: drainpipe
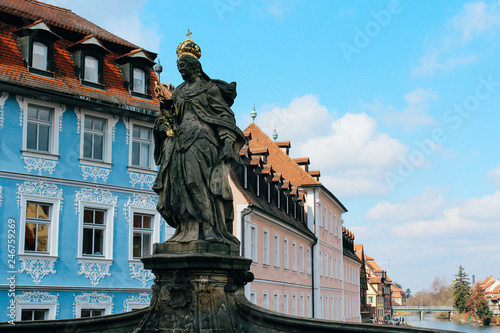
{"x": 244, "y": 213}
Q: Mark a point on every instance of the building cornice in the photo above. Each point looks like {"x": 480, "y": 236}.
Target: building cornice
{"x": 76, "y": 183}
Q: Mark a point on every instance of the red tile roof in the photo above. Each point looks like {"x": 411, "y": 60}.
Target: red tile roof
{"x": 280, "y": 161}
{"x": 59, "y": 17}
{"x": 14, "y": 71}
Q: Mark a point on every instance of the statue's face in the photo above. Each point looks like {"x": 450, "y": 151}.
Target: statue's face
{"x": 185, "y": 71}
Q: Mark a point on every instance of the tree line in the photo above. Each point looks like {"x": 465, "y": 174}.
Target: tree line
{"x": 465, "y": 298}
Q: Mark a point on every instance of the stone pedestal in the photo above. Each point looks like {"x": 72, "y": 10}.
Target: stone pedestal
{"x": 194, "y": 290}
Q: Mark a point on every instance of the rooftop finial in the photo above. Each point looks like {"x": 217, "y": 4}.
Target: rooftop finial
{"x": 189, "y": 34}
{"x": 253, "y": 114}
{"x": 158, "y": 70}
{"x": 275, "y": 135}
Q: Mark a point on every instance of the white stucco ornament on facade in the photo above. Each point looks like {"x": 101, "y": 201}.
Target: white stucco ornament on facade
{"x": 3, "y": 98}
{"x": 137, "y": 301}
{"x": 138, "y": 272}
{"x": 39, "y": 188}
{"x": 88, "y": 299}
{"x": 95, "y": 172}
{"x": 39, "y": 164}
{"x": 94, "y": 270}
{"x": 37, "y": 267}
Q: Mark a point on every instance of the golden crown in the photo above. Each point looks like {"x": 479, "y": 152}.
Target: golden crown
{"x": 188, "y": 47}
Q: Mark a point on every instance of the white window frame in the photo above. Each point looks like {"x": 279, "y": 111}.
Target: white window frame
{"x": 327, "y": 308}
{"x": 285, "y": 302}
{"x": 321, "y": 307}
{"x": 53, "y": 241}
{"x": 325, "y": 217}
{"x": 57, "y": 111}
{"x": 302, "y": 305}
{"x": 276, "y": 250}
{"x": 326, "y": 265}
{"x": 301, "y": 258}
{"x": 335, "y": 224}
{"x": 320, "y": 263}
{"x": 309, "y": 306}
{"x": 45, "y": 56}
{"x": 265, "y": 247}
{"x": 276, "y": 301}
{"x": 265, "y": 299}
{"x": 95, "y": 71}
{"x": 330, "y": 221}
{"x": 108, "y": 137}
{"x": 108, "y": 231}
{"x": 331, "y": 268}
{"x": 294, "y": 304}
{"x": 50, "y": 307}
{"x": 294, "y": 256}
{"x": 286, "y": 260}
{"x": 79, "y": 306}
{"x": 152, "y": 165}
{"x": 155, "y": 223}
{"x": 308, "y": 261}
{"x": 142, "y": 88}
{"x": 320, "y": 204}
{"x": 251, "y": 250}
{"x": 253, "y": 296}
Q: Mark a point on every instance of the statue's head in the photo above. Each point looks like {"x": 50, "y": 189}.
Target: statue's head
{"x": 189, "y": 66}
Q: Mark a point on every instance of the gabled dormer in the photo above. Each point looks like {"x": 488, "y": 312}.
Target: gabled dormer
{"x": 88, "y": 56}
{"x": 37, "y": 47}
{"x": 136, "y": 67}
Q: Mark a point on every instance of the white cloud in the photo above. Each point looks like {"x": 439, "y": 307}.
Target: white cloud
{"x": 477, "y": 18}
{"x": 414, "y": 114}
{"x": 449, "y": 50}
{"x": 349, "y": 151}
{"x": 422, "y": 206}
{"x": 429, "y": 214}
{"x": 120, "y": 17}
{"x": 436, "y": 60}
{"x": 495, "y": 176}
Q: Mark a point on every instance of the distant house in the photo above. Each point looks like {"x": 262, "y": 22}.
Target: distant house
{"x": 398, "y": 296}
{"x": 379, "y": 290}
{"x": 76, "y": 118}
{"x": 491, "y": 288}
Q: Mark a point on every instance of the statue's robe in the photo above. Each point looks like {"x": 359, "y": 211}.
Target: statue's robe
{"x": 192, "y": 182}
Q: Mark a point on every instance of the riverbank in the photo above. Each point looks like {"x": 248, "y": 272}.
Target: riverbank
{"x": 445, "y": 324}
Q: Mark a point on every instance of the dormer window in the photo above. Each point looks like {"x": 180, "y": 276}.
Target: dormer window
{"x": 91, "y": 69}
{"x": 136, "y": 66}
{"x": 37, "y": 48}
{"x": 40, "y": 56}
{"x": 139, "y": 82}
{"x": 88, "y": 56}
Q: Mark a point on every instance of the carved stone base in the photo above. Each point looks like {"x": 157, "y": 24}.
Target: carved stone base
{"x": 194, "y": 292}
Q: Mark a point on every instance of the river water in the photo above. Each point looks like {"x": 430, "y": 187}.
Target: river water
{"x": 431, "y": 322}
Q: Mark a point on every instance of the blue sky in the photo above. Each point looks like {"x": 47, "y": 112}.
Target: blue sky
{"x": 396, "y": 102}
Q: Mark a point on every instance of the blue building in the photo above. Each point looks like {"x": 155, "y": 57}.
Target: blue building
{"x": 76, "y": 166}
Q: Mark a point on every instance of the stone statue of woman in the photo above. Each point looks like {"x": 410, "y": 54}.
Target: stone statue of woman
{"x": 195, "y": 144}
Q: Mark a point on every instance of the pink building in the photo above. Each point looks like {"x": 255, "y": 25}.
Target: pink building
{"x": 291, "y": 226}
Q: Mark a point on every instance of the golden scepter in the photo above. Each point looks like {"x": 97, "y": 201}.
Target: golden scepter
{"x": 165, "y": 107}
